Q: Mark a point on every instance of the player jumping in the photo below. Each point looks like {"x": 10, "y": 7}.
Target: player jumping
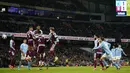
{"x": 12, "y": 53}
{"x": 53, "y": 39}
{"x": 30, "y": 36}
{"x": 29, "y": 56}
{"x": 37, "y": 32}
{"x": 41, "y": 50}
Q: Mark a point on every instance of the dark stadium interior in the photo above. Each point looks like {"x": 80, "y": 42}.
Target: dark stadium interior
{"x": 82, "y": 18}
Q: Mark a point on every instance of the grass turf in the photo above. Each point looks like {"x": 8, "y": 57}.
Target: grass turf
{"x": 125, "y": 69}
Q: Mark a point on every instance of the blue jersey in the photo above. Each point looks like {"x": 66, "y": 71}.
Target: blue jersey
{"x": 119, "y": 52}
{"x": 105, "y": 46}
{"x": 24, "y": 48}
{"x": 113, "y": 52}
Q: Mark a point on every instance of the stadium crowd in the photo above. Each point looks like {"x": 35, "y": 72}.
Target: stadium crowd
{"x": 67, "y": 56}
{"x": 18, "y": 23}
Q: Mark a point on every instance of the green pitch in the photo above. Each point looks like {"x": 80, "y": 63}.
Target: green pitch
{"x": 66, "y": 70}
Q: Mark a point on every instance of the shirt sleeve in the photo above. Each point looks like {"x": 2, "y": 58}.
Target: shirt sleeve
{"x": 49, "y": 36}
{"x": 41, "y": 31}
{"x": 100, "y": 46}
{"x": 21, "y": 46}
{"x": 56, "y": 36}
{"x": 11, "y": 45}
{"x": 123, "y": 52}
{"x": 95, "y": 44}
{"x": 109, "y": 45}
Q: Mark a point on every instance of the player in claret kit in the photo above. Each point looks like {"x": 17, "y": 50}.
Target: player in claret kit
{"x": 12, "y": 52}
{"x": 41, "y": 50}
{"x": 37, "y": 32}
{"x": 97, "y": 53}
{"x": 29, "y": 56}
{"x": 53, "y": 38}
{"x": 30, "y": 38}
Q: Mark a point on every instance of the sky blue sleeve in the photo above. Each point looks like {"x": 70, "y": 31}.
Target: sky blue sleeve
{"x": 109, "y": 45}
{"x": 21, "y": 46}
{"x": 123, "y": 51}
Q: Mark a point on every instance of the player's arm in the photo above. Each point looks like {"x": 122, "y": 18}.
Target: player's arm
{"x": 109, "y": 45}
{"x": 41, "y": 31}
{"x": 100, "y": 46}
{"x": 95, "y": 44}
{"x": 21, "y": 46}
{"x": 57, "y": 39}
{"x": 11, "y": 45}
{"x": 49, "y": 37}
{"x": 123, "y": 52}
{"x": 34, "y": 34}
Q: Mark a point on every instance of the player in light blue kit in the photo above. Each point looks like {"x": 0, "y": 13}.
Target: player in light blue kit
{"x": 113, "y": 50}
{"x": 23, "y": 49}
{"x": 119, "y": 52}
{"x": 108, "y": 54}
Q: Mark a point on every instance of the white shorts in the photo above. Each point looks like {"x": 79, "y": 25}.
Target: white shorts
{"x": 108, "y": 56}
{"x": 23, "y": 56}
{"x": 114, "y": 58}
{"x": 118, "y": 57}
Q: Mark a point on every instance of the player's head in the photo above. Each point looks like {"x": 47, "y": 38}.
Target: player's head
{"x": 119, "y": 45}
{"x": 52, "y": 29}
{"x": 96, "y": 36}
{"x": 101, "y": 39}
{"x": 25, "y": 41}
{"x": 30, "y": 28}
{"x": 113, "y": 46}
{"x": 38, "y": 27}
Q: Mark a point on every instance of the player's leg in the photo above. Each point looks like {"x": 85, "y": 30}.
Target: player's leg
{"x": 113, "y": 62}
{"x": 12, "y": 62}
{"x": 29, "y": 62}
{"x": 47, "y": 60}
{"x": 103, "y": 60}
{"x": 51, "y": 54}
{"x": 22, "y": 58}
{"x": 114, "y": 59}
{"x": 43, "y": 57}
{"x": 40, "y": 51}
{"x": 118, "y": 60}
{"x": 52, "y": 50}
{"x": 40, "y": 61}
{"x": 19, "y": 66}
{"x": 95, "y": 61}
{"x": 10, "y": 54}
